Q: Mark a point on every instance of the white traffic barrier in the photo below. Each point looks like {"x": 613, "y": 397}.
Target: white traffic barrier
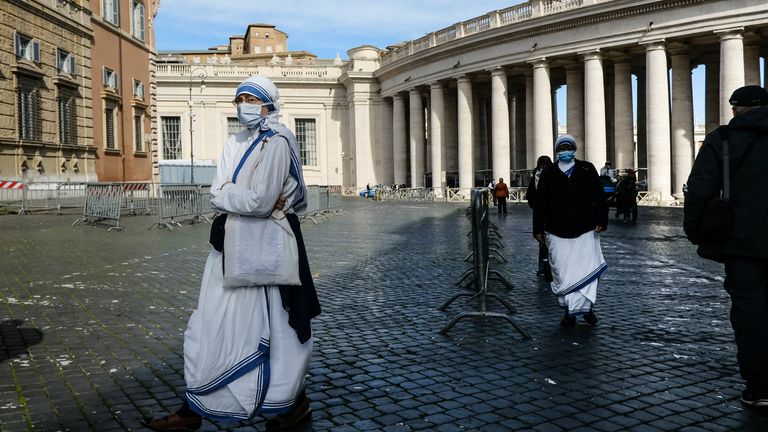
{"x": 12, "y": 194}
{"x": 177, "y": 202}
{"x": 102, "y": 202}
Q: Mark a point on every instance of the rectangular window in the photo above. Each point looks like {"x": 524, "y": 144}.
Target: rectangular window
{"x": 171, "y": 128}
{"x": 257, "y": 50}
{"x": 65, "y": 62}
{"x": 269, "y": 48}
{"x": 109, "y": 127}
{"x": 26, "y": 48}
{"x": 306, "y": 137}
{"x": 138, "y": 20}
{"x": 111, "y": 11}
{"x": 29, "y": 109}
{"x": 67, "y": 116}
{"x": 233, "y": 126}
{"x": 110, "y": 79}
{"x": 138, "y": 130}
{"x": 138, "y": 89}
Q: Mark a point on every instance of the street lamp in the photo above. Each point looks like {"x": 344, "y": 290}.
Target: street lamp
{"x": 194, "y": 73}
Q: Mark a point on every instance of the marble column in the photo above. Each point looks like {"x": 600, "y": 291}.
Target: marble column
{"x": 641, "y": 144}
{"x": 542, "y": 110}
{"x": 530, "y": 152}
{"x": 437, "y": 133}
{"x": 623, "y": 126}
{"x": 594, "y": 110}
{"x": 399, "y": 146}
{"x": 712, "y": 97}
{"x": 751, "y": 64}
{"x": 657, "y": 117}
{"x": 731, "y": 69}
{"x": 500, "y": 124}
{"x": 682, "y": 121}
{"x": 574, "y": 80}
{"x": 417, "y": 138}
{"x": 386, "y": 152}
{"x": 464, "y": 108}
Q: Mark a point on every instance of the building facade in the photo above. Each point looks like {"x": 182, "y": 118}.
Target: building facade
{"x": 45, "y": 83}
{"x": 476, "y": 100}
{"x": 122, "y": 69}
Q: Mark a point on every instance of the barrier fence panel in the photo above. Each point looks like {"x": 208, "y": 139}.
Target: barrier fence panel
{"x": 323, "y": 192}
{"x": 70, "y": 195}
{"x": 517, "y": 194}
{"x": 102, "y": 202}
{"x": 205, "y": 207}
{"x": 136, "y": 199}
{"x": 177, "y": 202}
{"x": 12, "y": 195}
{"x": 334, "y": 198}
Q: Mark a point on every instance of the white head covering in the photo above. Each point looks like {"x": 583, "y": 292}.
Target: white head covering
{"x": 565, "y": 139}
{"x": 264, "y": 89}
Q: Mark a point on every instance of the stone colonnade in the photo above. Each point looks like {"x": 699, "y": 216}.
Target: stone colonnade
{"x": 504, "y": 115}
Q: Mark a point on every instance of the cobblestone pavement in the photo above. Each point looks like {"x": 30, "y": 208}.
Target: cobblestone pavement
{"x": 91, "y": 323}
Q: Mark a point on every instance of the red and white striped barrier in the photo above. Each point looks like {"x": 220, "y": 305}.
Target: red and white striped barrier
{"x": 6, "y": 184}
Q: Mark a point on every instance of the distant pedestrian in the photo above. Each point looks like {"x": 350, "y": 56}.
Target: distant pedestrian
{"x": 541, "y": 164}
{"x": 741, "y": 242}
{"x": 247, "y": 348}
{"x": 501, "y": 193}
{"x": 491, "y": 189}
{"x": 569, "y": 213}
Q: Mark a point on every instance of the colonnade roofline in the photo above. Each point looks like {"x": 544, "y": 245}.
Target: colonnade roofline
{"x": 604, "y": 26}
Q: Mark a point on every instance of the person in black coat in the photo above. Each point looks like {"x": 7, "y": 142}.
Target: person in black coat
{"x": 569, "y": 212}
{"x": 541, "y": 164}
{"x": 743, "y": 245}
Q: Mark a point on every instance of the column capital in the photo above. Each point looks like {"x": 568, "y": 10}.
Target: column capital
{"x": 498, "y": 70}
{"x": 413, "y": 91}
{"x": 654, "y": 45}
{"x": 435, "y": 85}
{"x": 397, "y": 96}
{"x": 539, "y": 63}
{"x": 463, "y": 79}
{"x": 591, "y": 55}
{"x": 732, "y": 33}
{"x": 678, "y": 48}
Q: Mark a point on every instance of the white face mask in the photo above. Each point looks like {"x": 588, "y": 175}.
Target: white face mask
{"x": 249, "y": 115}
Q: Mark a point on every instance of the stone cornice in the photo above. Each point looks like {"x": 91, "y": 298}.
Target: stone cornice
{"x": 57, "y": 19}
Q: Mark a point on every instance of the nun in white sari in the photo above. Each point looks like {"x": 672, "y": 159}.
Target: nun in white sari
{"x": 244, "y": 353}
{"x": 569, "y": 213}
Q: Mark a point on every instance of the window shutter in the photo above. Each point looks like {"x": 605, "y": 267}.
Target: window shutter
{"x": 106, "y": 77}
{"x": 36, "y": 51}
{"x": 19, "y": 48}
{"x": 71, "y": 60}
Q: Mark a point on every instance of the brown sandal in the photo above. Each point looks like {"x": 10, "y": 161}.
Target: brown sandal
{"x": 300, "y": 413}
{"x": 173, "y": 422}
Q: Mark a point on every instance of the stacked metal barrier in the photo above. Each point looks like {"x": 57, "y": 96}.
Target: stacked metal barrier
{"x": 484, "y": 235}
{"x": 322, "y": 201}
{"x": 102, "y": 202}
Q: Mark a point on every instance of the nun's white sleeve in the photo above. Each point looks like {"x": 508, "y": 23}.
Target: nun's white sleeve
{"x": 258, "y": 198}
{"x": 225, "y": 168}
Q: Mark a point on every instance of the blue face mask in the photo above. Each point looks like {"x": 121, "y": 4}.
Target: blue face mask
{"x": 249, "y": 115}
{"x": 566, "y": 155}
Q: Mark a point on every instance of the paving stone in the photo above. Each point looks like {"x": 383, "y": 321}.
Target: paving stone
{"x": 94, "y": 341}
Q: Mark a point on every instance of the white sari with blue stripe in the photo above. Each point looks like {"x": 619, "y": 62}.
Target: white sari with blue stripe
{"x": 241, "y": 356}
{"x": 576, "y": 268}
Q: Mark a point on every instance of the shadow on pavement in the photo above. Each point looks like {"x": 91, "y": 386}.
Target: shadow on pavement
{"x": 14, "y": 339}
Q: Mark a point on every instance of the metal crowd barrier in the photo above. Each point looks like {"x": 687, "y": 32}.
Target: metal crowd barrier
{"x": 178, "y": 202}
{"x": 649, "y": 198}
{"x": 136, "y": 198}
{"x": 481, "y": 272}
{"x": 102, "y": 202}
{"x": 206, "y": 207}
{"x": 12, "y": 195}
{"x": 334, "y": 199}
{"x": 517, "y": 195}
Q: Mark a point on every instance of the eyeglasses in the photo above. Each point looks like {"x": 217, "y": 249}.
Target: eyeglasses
{"x": 251, "y": 99}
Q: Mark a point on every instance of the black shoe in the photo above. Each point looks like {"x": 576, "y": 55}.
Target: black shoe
{"x": 568, "y": 321}
{"x": 300, "y": 413}
{"x": 591, "y": 318}
{"x": 750, "y": 399}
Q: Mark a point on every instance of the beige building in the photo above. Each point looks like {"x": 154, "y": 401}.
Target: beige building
{"x": 476, "y": 100}
{"x": 46, "y": 131}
